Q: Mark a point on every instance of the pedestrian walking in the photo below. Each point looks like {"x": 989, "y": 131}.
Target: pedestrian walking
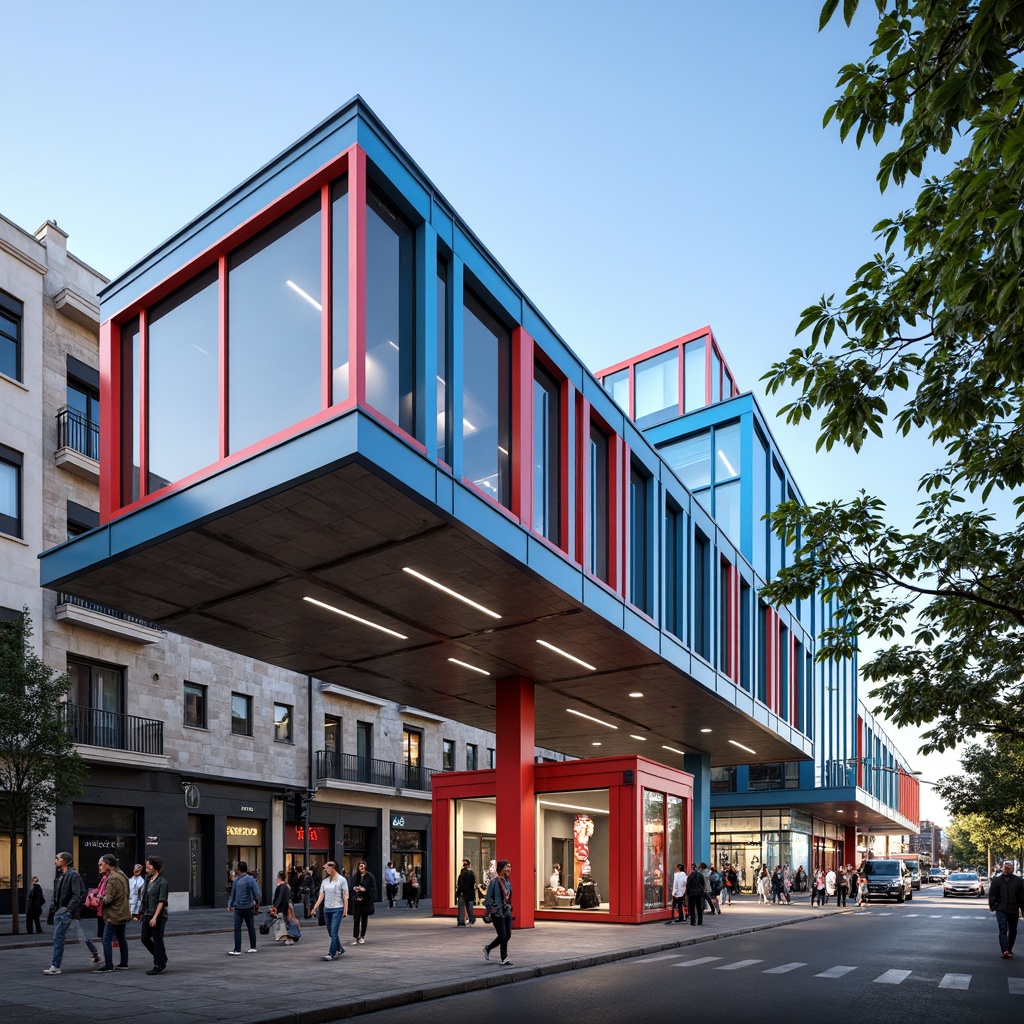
{"x": 115, "y": 912}
{"x": 842, "y": 886}
{"x": 281, "y": 907}
{"x": 34, "y": 907}
{"x": 862, "y": 885}
{"x": 333, "y": 897}
{"x": 391, "y": 881}
{"x": 695, "y": 889}
{"x": 66, "y": 909}
{"x": 306, "y": 892}
{"x": 414, "y": 888}
{"x": 362, "y": 887}
{"x": 153, "y": 913}
{"x": 732, "y": 883}
{"x": 818, "y": 890}
{"x": 764, "y": 885}
{"x": 465, "y": 895}
{"x": 678, "y": 895}
{"x": 498, "y": 904}
{"x": 830, "y": 884}
{"x": 136, "y": 884}
{"x": 800, "y": 880}
{"x": 1006, "y": 900}
{"x": 244, "y": 901}
{"x": 716, "y": 884}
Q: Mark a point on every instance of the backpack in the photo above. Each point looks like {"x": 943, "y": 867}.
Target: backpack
{"x": 716, "y": 883}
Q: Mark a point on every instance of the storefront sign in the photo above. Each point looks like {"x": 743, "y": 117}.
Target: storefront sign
{"x": 319, "y": 837}
{"x": 245, "y": 807}
{"x": 103, "y": 843}
{"x": 238, "y": 831}
{"x": 397, "y": 821}
{"x": 152, "y": 840}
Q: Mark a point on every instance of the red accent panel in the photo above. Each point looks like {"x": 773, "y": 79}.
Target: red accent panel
{"x": 657, "y": 351}
{"x": 144, "y": 402}
{"x": 522, "y": 426}
{"x": 515, "y": 808}
{"x": 860, "y": 751}
{"x": 110, "y": 420}
{"x": 326, "y": 299}
{"x": 794, "y": 681}
{"x": 357, "y": 276}
{"x": 222, "y": 335}
{"x": 733, "y": 632}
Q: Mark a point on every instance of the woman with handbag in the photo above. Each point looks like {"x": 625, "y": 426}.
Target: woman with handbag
{"x": 498, "y": 906}
{"x": 363, "y": 888}
{"x": 280, "y": 905}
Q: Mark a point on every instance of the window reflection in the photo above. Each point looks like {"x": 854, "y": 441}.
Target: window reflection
{"x": 442, "y": 368}
{"x": 598, "y": 451}
{"x": 486, "y": 400}
{"x": 339, "y": 291}
{"x": 617, "y": 385}
{"x": 657, "y": 384}
{"x": 274, "y": 307}
{"x": 390, "y": 365}
{"x": 546, "y": 451}
{"x": 184, "y": 382}
{"x": 130, "y": 425}
{"x": 694, "y": 371}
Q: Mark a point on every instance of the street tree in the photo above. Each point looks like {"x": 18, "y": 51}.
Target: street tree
{"x": 927, "y": 340}
{"x": 39, "y": 766}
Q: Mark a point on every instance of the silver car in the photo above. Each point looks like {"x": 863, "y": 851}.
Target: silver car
{"x": 964, "y": 883}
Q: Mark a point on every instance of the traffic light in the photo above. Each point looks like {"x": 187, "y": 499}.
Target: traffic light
{"x": 294, "y": 809}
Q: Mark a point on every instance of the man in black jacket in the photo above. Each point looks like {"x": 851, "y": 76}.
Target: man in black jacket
{"x": 696, "y": 886}
{"x": 34, "y": 907}
{"x": 68, "y": 898}
{"x": 1006, "y": 899}
{"x": 465, "y": 895}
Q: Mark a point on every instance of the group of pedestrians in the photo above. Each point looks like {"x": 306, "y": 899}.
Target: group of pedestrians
{"x": 117, "y": 900}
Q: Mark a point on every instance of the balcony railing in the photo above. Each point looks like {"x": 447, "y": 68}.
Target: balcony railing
{"x": 102, "y": 609}
{"x": 368, "y": 770}
{"x": 78, "y": 433}
{"x": 110, "y": 729}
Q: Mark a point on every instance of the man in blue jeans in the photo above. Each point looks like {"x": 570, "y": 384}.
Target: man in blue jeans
{"x": 68, "y": 898}
{"x": 244, "y": 901}
{"x": 1006, "y": 899}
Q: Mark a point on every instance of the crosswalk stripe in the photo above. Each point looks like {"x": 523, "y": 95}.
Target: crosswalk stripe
{"x": 738, "y": 965}
{"x": 911, "y": 915}
{"x": 892, "y": 978}
{"x": 1016, "y": 986}
{"x": 835, "y": 972}
{"x": 652, "y": 959}
{"x": 698, "y": 961}
{"x": 961, "y": 981}
{"x": 885, "y": 913}
{"x": 784, "y": 969}
{"x": 936, "y": 917}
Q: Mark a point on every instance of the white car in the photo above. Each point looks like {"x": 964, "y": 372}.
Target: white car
{"x": 964, "y": 883}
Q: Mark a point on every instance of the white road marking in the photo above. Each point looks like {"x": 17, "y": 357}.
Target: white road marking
{"x": 911, "y": 915}
{"x": 738, "y": 965}
{"x": 936, "y": 917}
{"x": 961, "y": 981}
{"x": 698, "y": 961}
{"x": 1016, "y": 986}
{"x": 652, "y": 959}
{"x": 784, "y": 969}
{"x": 835, "y": 972}
{"x": 892, "y": 978}
{"x": 885, "y": 913}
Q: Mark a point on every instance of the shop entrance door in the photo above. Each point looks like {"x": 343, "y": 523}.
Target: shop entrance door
{"x": 195, "y": 870}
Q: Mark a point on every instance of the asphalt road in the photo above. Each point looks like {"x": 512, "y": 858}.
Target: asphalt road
{"x": 930, "y": 959}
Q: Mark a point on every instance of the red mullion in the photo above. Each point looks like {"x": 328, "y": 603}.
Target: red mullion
{"x": 623, "y": 499}
{"x": 681, "y": 405}
{"x": 357, "y": 275}
{"x": 734, "y": 632}
{"x": 565, "y": 450}
{"x": 222, "y": 340}
{"x": 143, "y": 403}
{"x": 582, "y": 482}
{"x": 794, "y": 683}
{"x": 522, "y": 426}
{"x": 111, "y": 423}
{"x": 326, "y": 299}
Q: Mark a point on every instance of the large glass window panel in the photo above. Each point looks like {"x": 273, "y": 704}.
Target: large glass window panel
{"x": 11, "y": 310}
{"x": 546, "y": 455}
{"x": 694, "y": 370}
{"x": 701, "y": 595}
{"x": 690, "y": 459}
{"x": 486, "y": 400}
{"x": 775, "y": 499}
{"x": 676, "y": 854}
{"x": 716, "y": 376}
{"x": 598, "y": 511}
{"x": 274, "y": 308}
{"x": 727, "y": 452}
{"x": 184, "y": 382}
{"x": 390, "y": 312}
{"x": 130, "y": 412}
{"x": 339, "y": 291}
{"x": 657, "y": 384}
{"x": 412, "y": 739}
{"x": 727, "y": 510}
{"x": 639, "y": 549}
{"x": 760, "y": 493}
{"x": 673, "y": 571}
{"x": 617, "y": 385}
{"x": 574, "y": 832}
{"x": 442, "y": 369}
{"x": 241, "y": 714}
{"x": 10, "y": 495}
{"x": 654, "y": 850}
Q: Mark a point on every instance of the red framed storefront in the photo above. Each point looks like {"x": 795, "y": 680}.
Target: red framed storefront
{"x": 623, "y": 821}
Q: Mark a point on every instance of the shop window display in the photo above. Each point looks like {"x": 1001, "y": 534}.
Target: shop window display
{"x": 573, "y": 832}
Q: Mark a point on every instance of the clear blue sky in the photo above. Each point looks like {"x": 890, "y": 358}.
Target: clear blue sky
{"x": 639, "y": 171}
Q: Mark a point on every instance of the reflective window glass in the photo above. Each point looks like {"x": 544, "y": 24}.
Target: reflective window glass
{"x": 241, "y": 714}
{"x": 690, "y": 459}
{"x": 617, "y": 385}
{"x": 727, "y": 452}
{"x": 283, "y": 716}
{"x": 639, "y": 545}
{"x": 82, "y": 420}
{"x": 775, "y": 499}
{"x": 654, "y": 850}
{"x": 657, "y": 384}
{"x": 759, "y": 490}
{"x": 716, "y": 376}
{"x": 130, "y": 423}
{"x": 184, "y": 382}
{"x": 274, "y": 366}
{"x": 339, "y": 291}
{"x": 10, "y": 336}
{"x": 442, "y": 367}
{"x": 546, "y": 452}
{"x": 390, "y": 349}
{"x": 598, "y": 502}
{"x": 10, "y": 496}
{"x": 486, "y": 399}
{"x": 727, "y": 510}
{"x": 694, "y": 369}
{"x": 574, "y": 831}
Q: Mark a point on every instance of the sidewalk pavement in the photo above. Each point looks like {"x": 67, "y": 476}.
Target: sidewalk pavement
{"x": 409, "y": 956}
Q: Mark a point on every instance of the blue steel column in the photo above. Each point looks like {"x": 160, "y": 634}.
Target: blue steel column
{"x": 699, "y": 766}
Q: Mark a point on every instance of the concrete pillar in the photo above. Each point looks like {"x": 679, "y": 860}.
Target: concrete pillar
{"x": 699, "y": 766}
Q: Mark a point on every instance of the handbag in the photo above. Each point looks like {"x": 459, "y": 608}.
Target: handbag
{"x": 93, "y": 900}
{"x": 265, "y": 928}
{"x": 487, "y": 916}
{"x": 321, "y": 917}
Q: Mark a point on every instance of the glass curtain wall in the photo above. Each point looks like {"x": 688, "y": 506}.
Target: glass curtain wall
{"x": 339, "y": 291}
{"x": 598, "y": 503}
{"x": 547, "y": 468}
{"x": 657, "y": 385}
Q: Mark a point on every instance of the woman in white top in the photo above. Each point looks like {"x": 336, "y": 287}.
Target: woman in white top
{"x": 334, "y": 897}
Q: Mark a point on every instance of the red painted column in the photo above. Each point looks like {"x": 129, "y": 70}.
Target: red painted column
{"x": 357, "y": 275}
{"x": 112, "y": 440}
{"x": 515, "y": 809}
{"x": 522, "y": 427}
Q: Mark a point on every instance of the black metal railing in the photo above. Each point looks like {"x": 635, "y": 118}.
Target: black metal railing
{"x": 353, "y": 768}
{"x": 113, "y": 730}
{"x": 104, "y": 610}
{"x": 77, "y": 432}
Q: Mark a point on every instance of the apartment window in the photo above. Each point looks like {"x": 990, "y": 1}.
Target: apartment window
{"x": 10, "y": 491}
{"x": 617, "y": 385}
{"x": 81, "y": 418}
{"x": 195, "y": 705}
{"x": 241, "y": 714}
{"x": 701, "y": 595}
{"x": 673, "y": 570}
{"x": 598, "y": 505}
{"x": 12, "y": 629}
{"x": 486, "y": 400}
{"x": 412, "y": 743}
{"x": 639, "y": 541}
{"x": 546, "y": 454}
{"x": 471, "y": 757}
{"x": 332, "y": 734}
{"x": 364, "y": 741}
{"x": 448, "y": 755}
{"x": 11, "y": 310}
{"x": 390, "y": 311}
{"x": 490, "y": 757}
{"x": 442, "y": 369}
{"x": 657, "y": 386}
{"x": 96, "y": 693}
{"x": 284, "y": 716}
{"x": 746, "y": 633}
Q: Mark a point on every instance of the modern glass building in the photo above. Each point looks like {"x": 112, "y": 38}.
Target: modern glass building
{"x": 337, "y": 437}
